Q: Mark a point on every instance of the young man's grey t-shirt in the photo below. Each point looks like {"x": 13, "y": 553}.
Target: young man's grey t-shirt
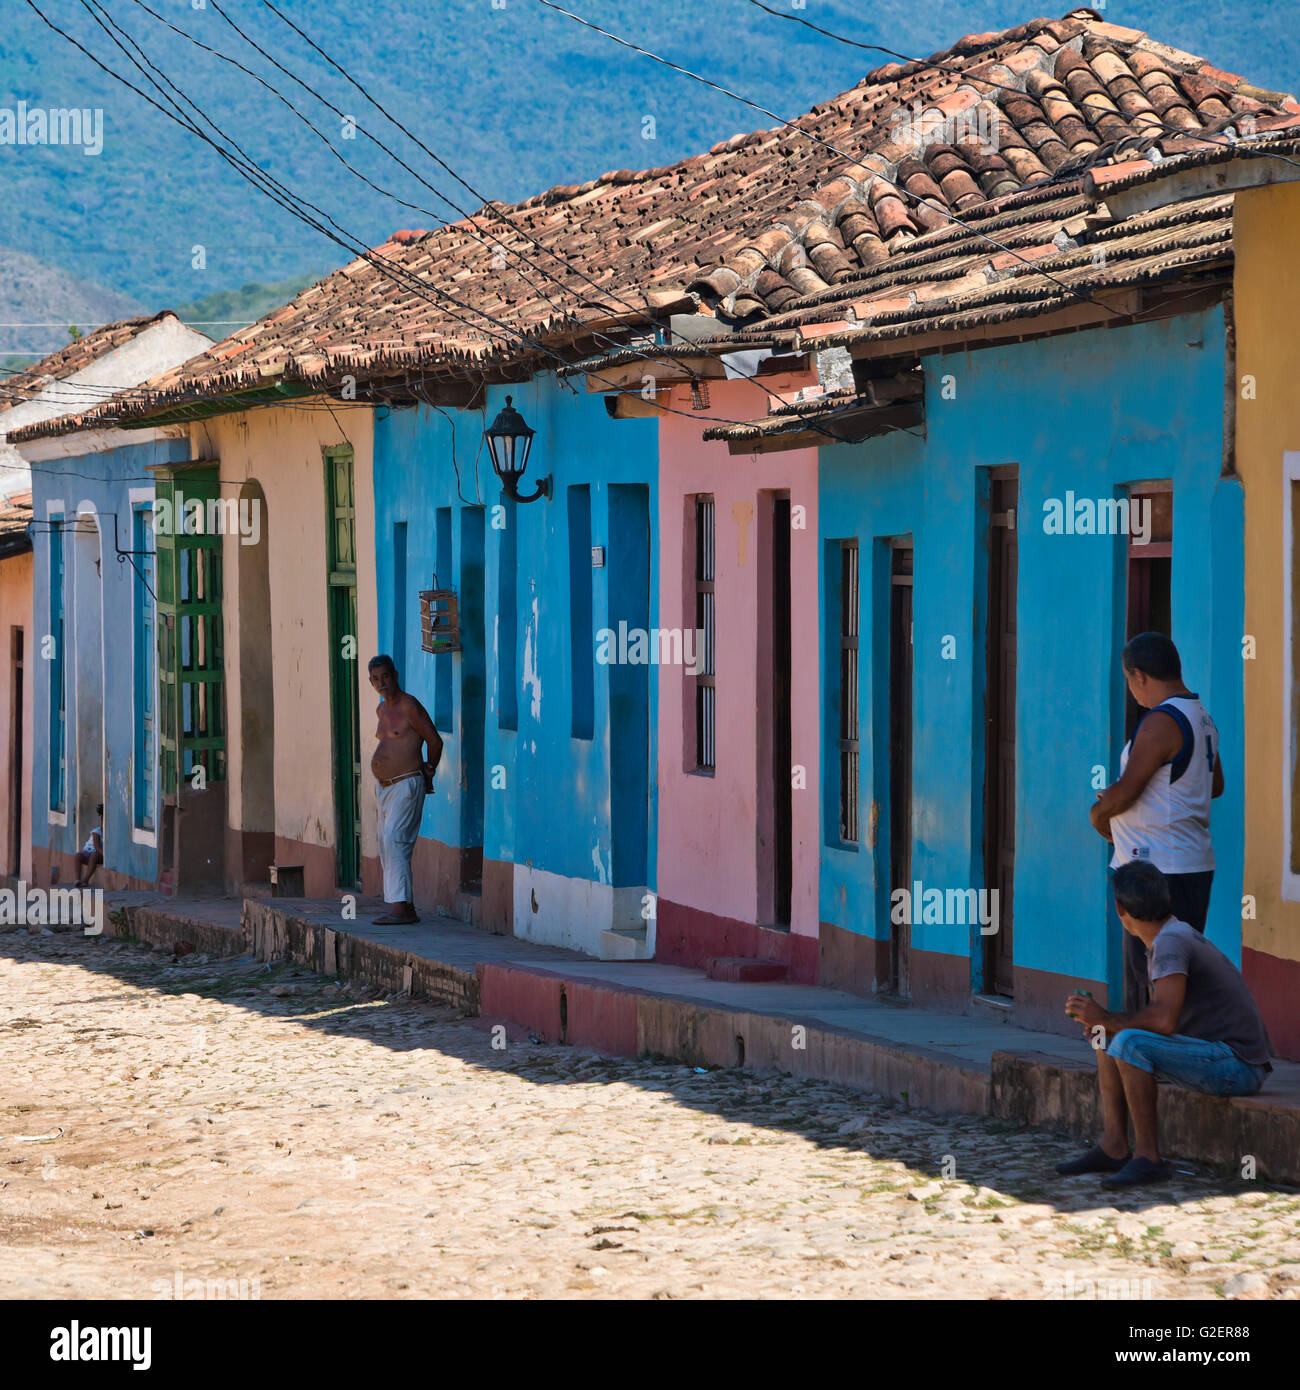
{"x": 1217, "y": 1006}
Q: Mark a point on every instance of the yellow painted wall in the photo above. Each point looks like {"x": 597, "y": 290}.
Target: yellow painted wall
{"x": 281, "y": 447}
{"x": 1267, "y": 295}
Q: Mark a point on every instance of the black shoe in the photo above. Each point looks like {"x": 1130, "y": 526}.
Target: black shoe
{"x": 1136, "y": 1172}
{"x": 1094, "y": 1161}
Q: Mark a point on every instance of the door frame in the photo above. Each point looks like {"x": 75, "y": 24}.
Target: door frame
{"x": 87, "y": 535}
{"x": 901, "y": 577}
{"x": 345, "y": 695}
{"x": 995, "y": 951}
{"x": 18, "y": 713}
{"x": 774, "y": 831}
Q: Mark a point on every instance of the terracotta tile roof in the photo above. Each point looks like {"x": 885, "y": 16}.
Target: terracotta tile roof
{"x": 747, "y": 340}
{"x": 1084, "y": 93}
{"x": 15, "y": 517}
{"x": 68, "y": 361}
{"x": 1105, "y": 272}
{"x": 969, "y": 285}
{"x": 764, "y": 226}
{"x": 844, "y": 416}
{"x": 1284, "y": 141}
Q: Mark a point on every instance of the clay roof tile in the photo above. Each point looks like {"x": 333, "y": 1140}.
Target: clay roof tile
{"x": 768, "y": 220}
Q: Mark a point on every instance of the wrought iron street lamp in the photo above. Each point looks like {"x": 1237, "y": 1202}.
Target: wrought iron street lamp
{"x": 510, "y": 441}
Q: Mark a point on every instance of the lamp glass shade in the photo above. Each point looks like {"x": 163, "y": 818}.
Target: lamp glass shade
{"x": 509, "y": 441}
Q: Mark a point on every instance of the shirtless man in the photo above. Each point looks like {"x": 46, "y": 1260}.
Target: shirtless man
{"x": 400, "y": 768}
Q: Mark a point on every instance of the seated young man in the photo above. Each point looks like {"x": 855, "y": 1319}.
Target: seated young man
{"x": 1201, "y": 1030}
{"x": 91, "y": 854}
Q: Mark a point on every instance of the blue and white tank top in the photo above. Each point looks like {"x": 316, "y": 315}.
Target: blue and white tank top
{"x": 1169, "y": 824}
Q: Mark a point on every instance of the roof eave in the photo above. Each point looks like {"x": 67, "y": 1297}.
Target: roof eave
{"x": 1246, "y": 169}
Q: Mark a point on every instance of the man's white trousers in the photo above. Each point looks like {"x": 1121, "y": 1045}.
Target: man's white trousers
{"x": 400, "y": 807}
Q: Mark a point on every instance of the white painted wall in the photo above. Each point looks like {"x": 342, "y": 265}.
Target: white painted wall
{"x": 154, "y": 350}
{"x": 580, "y": 914}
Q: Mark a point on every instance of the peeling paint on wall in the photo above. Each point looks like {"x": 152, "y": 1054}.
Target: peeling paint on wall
{"x": 532, "y": 677}
{"x": 560, "y": 791}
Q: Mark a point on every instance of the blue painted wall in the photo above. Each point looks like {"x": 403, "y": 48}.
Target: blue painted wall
{"x": 1086, "y": 412}
{"x": 104, "y": 481}
{"x": 555, "y": 810}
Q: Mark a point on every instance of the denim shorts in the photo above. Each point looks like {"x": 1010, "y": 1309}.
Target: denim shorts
{"x": 1212, "y": 1067}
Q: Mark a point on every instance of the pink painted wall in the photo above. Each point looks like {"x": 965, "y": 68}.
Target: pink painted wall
{"x": 708, "y": 838}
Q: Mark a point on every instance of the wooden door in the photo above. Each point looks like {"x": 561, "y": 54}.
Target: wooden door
{"x": 472, "y": 660}
{"x": 1149, "y": 599}
{"x": 1000, "y": 728}
{"x": 900, "y": 759}
{"x": 782, "y": 805}
{"x": 17, "y": 734}
{"x": 345, "y": 697}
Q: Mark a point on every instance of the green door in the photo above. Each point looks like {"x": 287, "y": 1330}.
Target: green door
{"x": 342, "y": 599}
{"x": 190, "y": 667}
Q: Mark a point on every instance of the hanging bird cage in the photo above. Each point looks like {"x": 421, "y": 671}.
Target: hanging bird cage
{"x": 439, "y": 619}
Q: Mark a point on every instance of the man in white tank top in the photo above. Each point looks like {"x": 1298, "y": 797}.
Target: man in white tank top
{"x": 1158, "y": 811}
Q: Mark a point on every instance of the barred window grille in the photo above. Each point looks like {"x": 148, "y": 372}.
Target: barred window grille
{"x": 849, "y": 691}
{"x": 705, "y": 691}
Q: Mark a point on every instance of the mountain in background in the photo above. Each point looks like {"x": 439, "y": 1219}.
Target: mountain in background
{"x": 517, "y": 97}
{"x": 39, "y": 303}
{"x": 220, "y": 314}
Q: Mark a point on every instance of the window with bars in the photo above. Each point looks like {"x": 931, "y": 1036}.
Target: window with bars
{"x": 849, "y": 608}
{"x": 705, "y": 690}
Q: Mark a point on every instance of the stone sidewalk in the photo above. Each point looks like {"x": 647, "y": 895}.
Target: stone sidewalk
{"x": 947, "y": 1063}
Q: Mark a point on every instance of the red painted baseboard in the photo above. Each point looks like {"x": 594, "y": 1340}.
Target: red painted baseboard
{"x": 688, "y": 936}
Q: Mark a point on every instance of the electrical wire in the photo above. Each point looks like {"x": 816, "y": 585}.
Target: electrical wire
{"x": 947, "y": 212}
{"x": 284, "y": 198}
{"x": 468, "y": 218}
{"x": 352, "y": 169}
{"x": 626, "y": 347}
{"x": 1109, "y": 107}
{"x": 659, "y": 361}
{"x": 487, "y": 203}
{"x": 412, "y": 282}
{"x": 271, "y": 186}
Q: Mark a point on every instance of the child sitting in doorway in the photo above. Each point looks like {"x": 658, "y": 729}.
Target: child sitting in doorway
{"x": 91, "y": 854}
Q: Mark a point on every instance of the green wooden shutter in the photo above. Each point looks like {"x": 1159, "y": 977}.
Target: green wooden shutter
{"x": 340, "y": 520}
{"x": 190, "y": 664}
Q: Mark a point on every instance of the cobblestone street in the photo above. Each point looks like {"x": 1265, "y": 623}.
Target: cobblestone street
{"x": 277, "y": 1135}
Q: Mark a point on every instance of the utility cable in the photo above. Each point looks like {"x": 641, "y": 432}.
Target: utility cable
{"x": 1031, "y": 266}
{"x": 1109, "y": 107}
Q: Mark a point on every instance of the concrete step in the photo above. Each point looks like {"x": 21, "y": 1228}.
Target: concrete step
{"x": 624, "y": 943}
{"x": 745, "y": 969}
{"x": 993, "y": 1006}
